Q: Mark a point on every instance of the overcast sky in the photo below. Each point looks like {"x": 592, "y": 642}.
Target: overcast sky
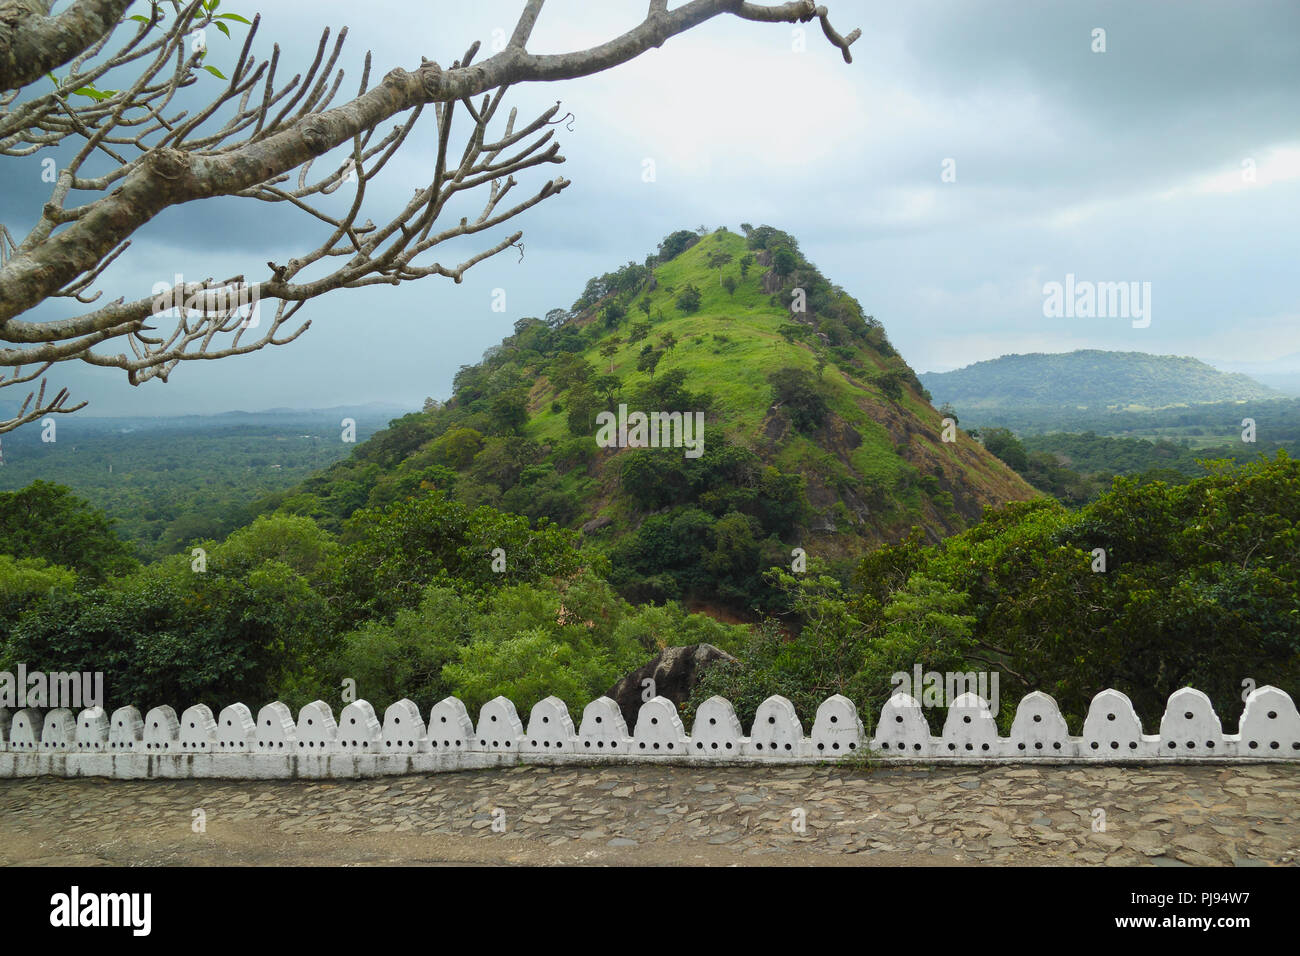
{"x": 1125, "y": 165}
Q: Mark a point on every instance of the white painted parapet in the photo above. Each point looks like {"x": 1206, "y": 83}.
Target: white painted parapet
{"x": 603, "y": 730}
{"x": 404, "y": 729}
{"x": 1040, "y": 730}
{"x": 236, "y": 730}
{"x": 92, "y": 730}
{"x": 1270, "y": 726}
{"x": 59, "y": 733}
{"x": 1112, "y": 729}
{"x": 777, "y": 732}
{"x": 969, "y": 730}
{"x": 499, "y": 728}
{"x": 161, "y": 728}
{"x": 717, "y": 732}
{"x": 837, "y": 730}
{"x": 1190, "y": 727}
{"x": 276, "y": 731}
{"x": 316, "y": 730}
{"x": 359, "y": 730}
{"x": 550, "y": 729}
{"x": 125, "y": 731}
{"x": 234, "y": 746}
{"x": 903, "y": 731}
{"x": 198, "y": 732}
{"x": 25, "y": 733}
{"x": 450, "y": 727}
{"x": 659, "y": 731}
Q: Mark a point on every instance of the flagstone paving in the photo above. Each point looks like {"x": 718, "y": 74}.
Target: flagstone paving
{"x": 1169, "y": 816}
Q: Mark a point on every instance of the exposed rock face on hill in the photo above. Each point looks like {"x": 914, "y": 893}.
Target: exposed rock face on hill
{"x": 675, "y": 672}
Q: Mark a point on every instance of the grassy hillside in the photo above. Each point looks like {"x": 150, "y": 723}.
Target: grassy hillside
{"x": 1091, "y": 379}
{"x": 817, "y": 434}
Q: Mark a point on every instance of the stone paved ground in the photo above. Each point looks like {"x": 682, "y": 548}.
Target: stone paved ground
{"x": 1176, "y": 815}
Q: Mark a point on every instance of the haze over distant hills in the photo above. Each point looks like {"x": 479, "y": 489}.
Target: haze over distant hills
{"x": 1091, "y": 379}
{"x": 1281, "y": 373}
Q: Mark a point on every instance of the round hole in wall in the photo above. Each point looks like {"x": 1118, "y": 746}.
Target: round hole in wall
{"x": 771, "y": 720}
{"x": 1272, "y": 715}
{"x": 1110, "y": 716}
{"x": 898, "y": 719}
{"x": 966, "y": 719}
{"x": 1095, "y": 745}
{"x": 834, "y": 719}
{"x": 1188, "y": 715}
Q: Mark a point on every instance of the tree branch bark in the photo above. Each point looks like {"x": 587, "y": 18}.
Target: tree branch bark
{"x": 32, "y": 43}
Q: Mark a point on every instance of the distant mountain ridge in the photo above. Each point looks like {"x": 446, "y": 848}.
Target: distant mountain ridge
{"x": 1091, "y": 379}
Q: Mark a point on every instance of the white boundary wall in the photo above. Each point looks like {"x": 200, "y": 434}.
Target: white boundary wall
{"x": 234, "y": 747}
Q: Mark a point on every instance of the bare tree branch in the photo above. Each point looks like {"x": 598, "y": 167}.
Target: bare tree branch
{"x": 138, "y": 156}
{"x": 33, "y": 43}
